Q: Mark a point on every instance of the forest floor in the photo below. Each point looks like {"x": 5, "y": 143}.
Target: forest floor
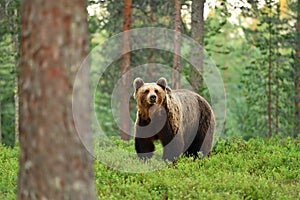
{"x": 237, "y": 169}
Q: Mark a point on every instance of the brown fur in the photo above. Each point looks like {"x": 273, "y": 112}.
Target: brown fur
{"x": 182, "y": 120}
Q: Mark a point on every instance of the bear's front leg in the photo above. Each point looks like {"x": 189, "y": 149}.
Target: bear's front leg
{"x": 144, "y": 147}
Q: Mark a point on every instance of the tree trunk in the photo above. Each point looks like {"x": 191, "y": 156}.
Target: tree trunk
{"x": 124, "y": 119}
{"x": 177, "y": 42}
{"x": 270, "y": 120}
{"x": 153, "y": 10}
{"x": 17, "y": 57}
{"x": 197, "y": 29}
{"x": 297, "y": 73}
{"x": 54, "y": 163}
{"x": 277, "y": 94}
{"x": 277, "y": 72}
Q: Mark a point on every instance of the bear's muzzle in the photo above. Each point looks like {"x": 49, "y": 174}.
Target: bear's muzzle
{"x": 152, "y": 98}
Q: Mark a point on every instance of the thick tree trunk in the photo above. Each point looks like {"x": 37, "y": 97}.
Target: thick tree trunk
{"x": 197, "y": 29}
{"x": 125, "y": 120}
{"x": 177, "y": 42}
{"x": 297, "y": 74}
{"x": 54, "y": 164}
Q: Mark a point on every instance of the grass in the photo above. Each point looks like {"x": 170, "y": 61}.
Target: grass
{"x": 237, "y": 169}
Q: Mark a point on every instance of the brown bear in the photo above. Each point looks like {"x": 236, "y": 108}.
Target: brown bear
{"x": 182, "y": 120}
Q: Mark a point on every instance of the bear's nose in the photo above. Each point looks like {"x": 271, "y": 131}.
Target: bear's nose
{"x": 152, "y": 97}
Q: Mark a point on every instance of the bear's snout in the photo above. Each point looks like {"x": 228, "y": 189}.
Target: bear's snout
{"x": 152, "y": 98}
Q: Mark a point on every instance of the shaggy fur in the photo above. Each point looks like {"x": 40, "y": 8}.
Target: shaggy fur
{"x": 182, "y": 120}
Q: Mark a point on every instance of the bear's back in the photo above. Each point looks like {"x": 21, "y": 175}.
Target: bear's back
{"x": 189, "y": 107}
{"x": 197, "y": 118}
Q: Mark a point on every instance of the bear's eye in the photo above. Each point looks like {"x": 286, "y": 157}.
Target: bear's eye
{"x": 146, "y": 91}
{"x": 156, "y": 91}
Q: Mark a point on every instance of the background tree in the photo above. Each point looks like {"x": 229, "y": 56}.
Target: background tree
{"x": 125, "y": 121}
{"x": 297, "y": 72}
{"x": 54, "y": 164}
{"x": 270, "y": 69}
{"x": 15, "y": 30}
{"x": 177, "y": 43}
{"x": 197, "y": 33}
{"x": 153, "y": 11}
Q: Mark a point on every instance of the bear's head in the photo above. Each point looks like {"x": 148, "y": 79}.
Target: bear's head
{"x": 150, "y": 94}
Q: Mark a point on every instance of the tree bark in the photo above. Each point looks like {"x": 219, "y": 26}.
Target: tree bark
{"x": 125, "y": 120}
{"x": 153, "y": 10}
{"x": 270, "y": 119}
{"x": 177, "y": 42}
{"x": 54, "y": 163}
{"x": 277, "y": 94}
{"x": 297, "y": 73}
{"x": 197, "y": 30}
{"x": 17, "y": 57}
{"x": 277, "y": 74}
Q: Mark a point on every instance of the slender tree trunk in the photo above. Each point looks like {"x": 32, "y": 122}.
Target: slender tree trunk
{"x": 177, "y": 42}
{"x": 197, "y": 29}
{"x": 297, "y": 74}
{"x": 270, "y": 120}
{"x": 125, "y": 120}
{"x": 16, "y": 98}
{"x": 54, "y": 163}
{"x": 17, "y": 57}
{"x": 277, "y": 82}
{"x": 152, "y": 38}
{"x": 277, "y": 93}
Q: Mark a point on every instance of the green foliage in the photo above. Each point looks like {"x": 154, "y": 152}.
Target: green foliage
{"x": 8, "y": 172}
{"x": 215, "y": 22}
{"x": 269, "y": 56}
{"x": 9, "y": 37}
{"x": 237, "y": 169}
{"x": 104, "y": 113}
{"x": 7, "y": 73}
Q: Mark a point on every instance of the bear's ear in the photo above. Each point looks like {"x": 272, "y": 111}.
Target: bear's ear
{"x": 137, "y": 83}
{"x": 162, "y": 82}
{"x": 168, "y": 89}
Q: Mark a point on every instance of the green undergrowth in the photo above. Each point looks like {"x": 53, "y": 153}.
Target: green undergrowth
{"x": 237, "y": 169}
{"x": 8, "y": 172}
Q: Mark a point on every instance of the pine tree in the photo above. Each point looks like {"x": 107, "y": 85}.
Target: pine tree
{"x": 54, "y": 163}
